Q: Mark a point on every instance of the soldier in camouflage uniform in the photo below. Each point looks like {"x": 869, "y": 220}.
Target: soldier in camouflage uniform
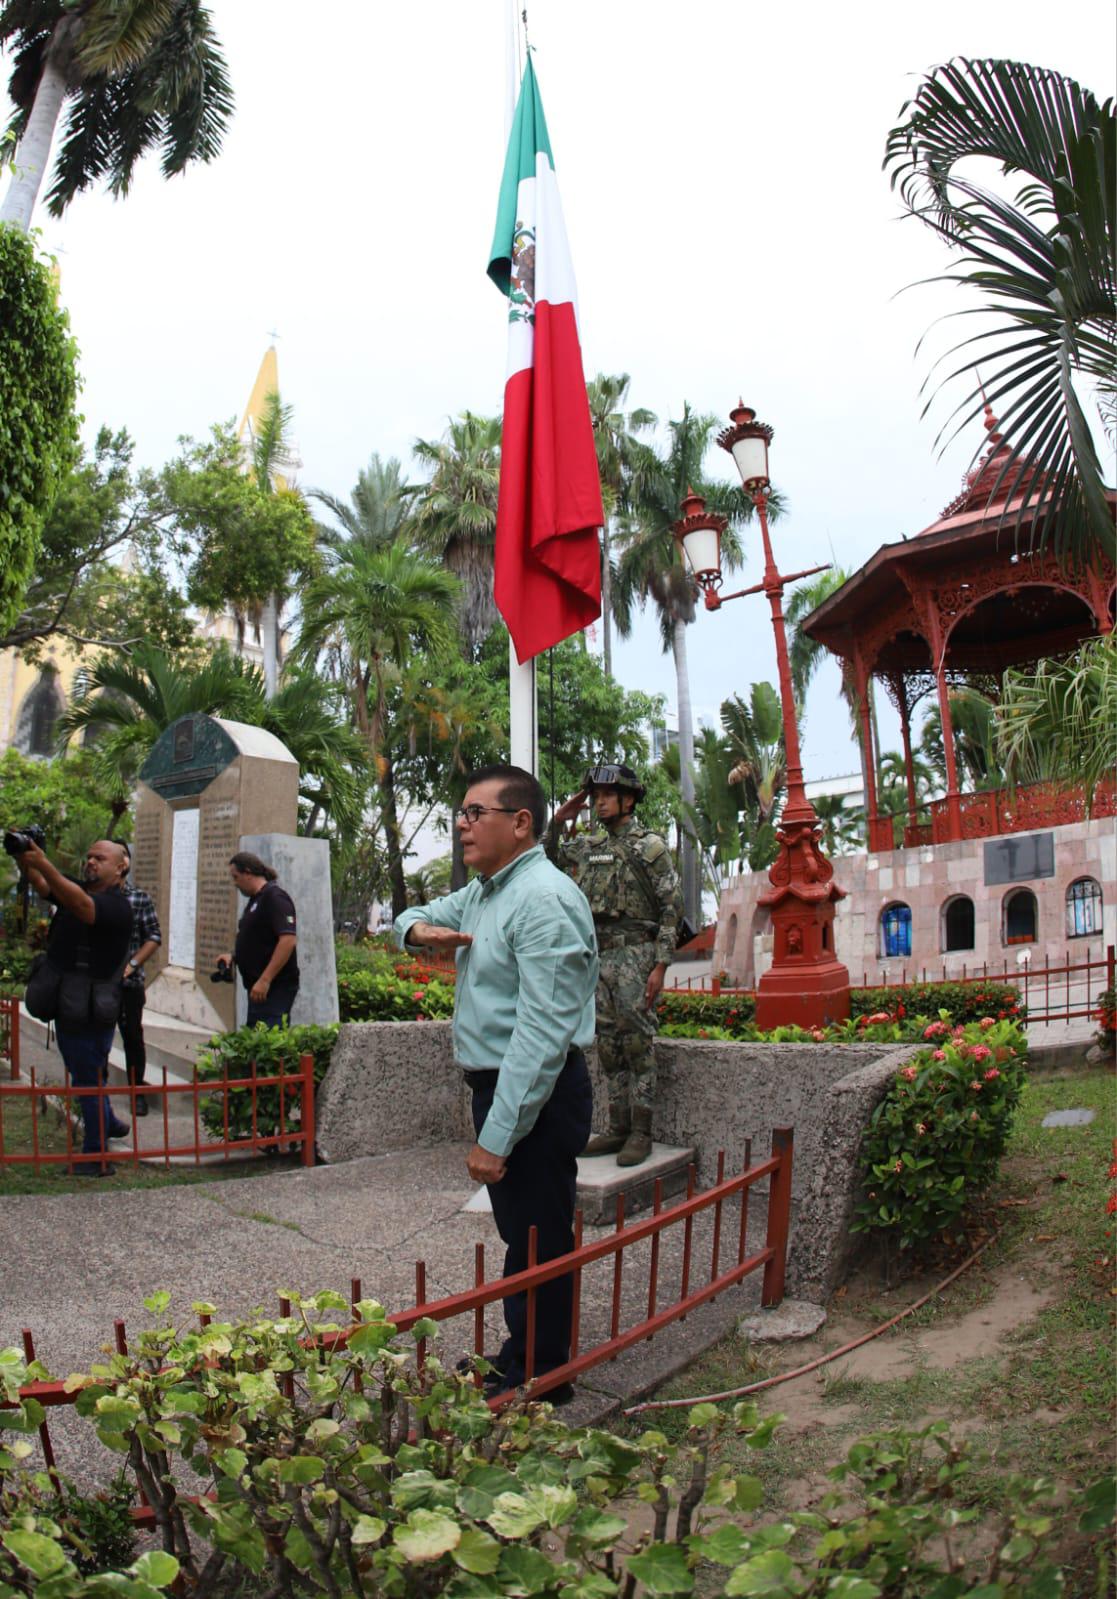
{"x": 627, "y": 875}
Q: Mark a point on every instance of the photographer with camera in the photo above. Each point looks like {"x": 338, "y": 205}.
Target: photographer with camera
{"x": 79, "y": 984}
{"x": 266, "y": 938}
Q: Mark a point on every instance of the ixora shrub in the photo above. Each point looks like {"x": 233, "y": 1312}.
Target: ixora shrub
{"x": 963, "y": 1002}
{"x": 877, "y": 1015}
{"x": 376, "y": 984}
{"x": 1106, "y": 1018}
{"x": 349, "y": 1468}
{"x": 936, "y": 1138}
{"x": 233, "y": 1054}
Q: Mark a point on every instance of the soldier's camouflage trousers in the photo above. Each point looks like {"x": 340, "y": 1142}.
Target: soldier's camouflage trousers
{"x": 625, "y": 1030}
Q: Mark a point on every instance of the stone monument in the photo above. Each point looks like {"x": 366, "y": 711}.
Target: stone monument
{"x": 209, "y": 788}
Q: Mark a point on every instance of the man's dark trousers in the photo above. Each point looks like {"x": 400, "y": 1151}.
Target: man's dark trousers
{"x": 132, "y": 1031}
{"x": 273, "y": 1009}
{"x": 84, "y": 1055}
{"x": 538, "y": 1190}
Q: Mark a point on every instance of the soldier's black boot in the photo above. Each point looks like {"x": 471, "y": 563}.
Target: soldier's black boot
{"x": 638, "y": 1144}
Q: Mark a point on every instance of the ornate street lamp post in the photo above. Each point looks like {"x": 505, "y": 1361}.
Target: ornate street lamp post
{"x": 806, "y": 983}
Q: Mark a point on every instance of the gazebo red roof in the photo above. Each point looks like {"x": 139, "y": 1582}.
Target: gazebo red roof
{"x": 975, "y": 561}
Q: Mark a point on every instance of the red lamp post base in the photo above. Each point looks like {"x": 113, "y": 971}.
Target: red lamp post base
{"x": 806, "y": 983}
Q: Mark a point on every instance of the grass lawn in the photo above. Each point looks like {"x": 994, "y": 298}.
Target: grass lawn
{"x": 17, "y": 1139}
{"x": 1017, "y": 1355}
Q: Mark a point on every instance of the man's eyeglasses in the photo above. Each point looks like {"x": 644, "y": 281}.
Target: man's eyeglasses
{"x": 473, "y": 813}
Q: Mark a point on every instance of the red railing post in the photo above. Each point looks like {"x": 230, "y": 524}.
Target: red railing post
{"x": 1110, "y": 966}
{"x": 779, "y": 1215}
{"x": 306, "y": 1062}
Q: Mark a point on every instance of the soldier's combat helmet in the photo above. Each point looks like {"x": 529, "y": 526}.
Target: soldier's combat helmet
{"x": 618, "y": 777}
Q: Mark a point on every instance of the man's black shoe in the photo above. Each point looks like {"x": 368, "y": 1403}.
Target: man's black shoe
{"x": 91, "y": 1169}
{"x": 119, "y": 1129}
{"x": 562, "y": 1395}
{"x": 141, "y": 1105}
{"x": 490, "y": 1379}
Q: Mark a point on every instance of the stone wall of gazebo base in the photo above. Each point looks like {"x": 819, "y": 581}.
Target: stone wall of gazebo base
{"x": 394, "y": 1086}
{"x": 1049, "y": 894}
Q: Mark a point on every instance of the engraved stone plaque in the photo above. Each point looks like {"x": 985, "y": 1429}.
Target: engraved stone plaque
{"x": 184, "y": 888}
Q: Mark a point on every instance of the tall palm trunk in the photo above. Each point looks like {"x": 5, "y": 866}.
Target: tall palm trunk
{"x": 269, "y": 632}
{"x": 387, "y": 785}
{"x": 606, "y": 603}
{"x": 34, "y": 148}
{"x": 691, "y": 894}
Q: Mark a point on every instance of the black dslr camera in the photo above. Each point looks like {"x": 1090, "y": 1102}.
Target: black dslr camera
{"x": 18, "y": 840}
{"x": 223, "y": 974}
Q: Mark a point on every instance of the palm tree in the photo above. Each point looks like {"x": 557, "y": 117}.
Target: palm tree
{"x": 376, "y": 608}
{"x": 842, "y": 830}
{"x": 618, "y": 460}
{"x": 755, "y": 737}
{"x": 1043, "y": 263}
{"x": 650, "y": 569}
{"x": 271, "y": 456}
{"x": 143, "y": 76}
{"x": 1057, "y": 720}
{"x": 454, "y": 516}
{"x": 375, "y": 512}
{"x": 807, "y": 655}
{"x": 125, "y": 701}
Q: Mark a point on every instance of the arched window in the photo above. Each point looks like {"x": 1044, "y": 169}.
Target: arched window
{"x": 1083, "y": 908}
{"x": 1020, "y": 917}
{"x": 731, "y": 936}
{"x": 41, "y": 708}
{"x": 958, "y": 923}
{"x": 895, "y": 931}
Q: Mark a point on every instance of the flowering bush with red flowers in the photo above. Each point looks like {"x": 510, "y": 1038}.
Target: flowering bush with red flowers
{"x": 375, "y": 984}
{"x": 962, "y": 1002}
{"x": 936, "y": 1138}
{"x": 1106, "y": 1018}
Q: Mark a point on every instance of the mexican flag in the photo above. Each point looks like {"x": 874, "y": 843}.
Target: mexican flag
{"x": 548, "y": 569}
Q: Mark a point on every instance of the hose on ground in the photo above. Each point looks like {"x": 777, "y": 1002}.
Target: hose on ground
{"x": 823, "y": 1360}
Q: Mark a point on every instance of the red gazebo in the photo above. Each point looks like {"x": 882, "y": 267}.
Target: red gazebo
{"x": 962, "y": 601}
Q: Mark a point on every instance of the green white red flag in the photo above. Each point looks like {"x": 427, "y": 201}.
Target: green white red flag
{"x": 547, "y": 581}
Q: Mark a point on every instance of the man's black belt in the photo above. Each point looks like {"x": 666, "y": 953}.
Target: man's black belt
{"x": 481, "y": 1079}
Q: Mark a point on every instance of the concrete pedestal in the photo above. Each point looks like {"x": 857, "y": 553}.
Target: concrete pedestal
{"x": 600, "y": 1180}
{"x": 303, "y": 868}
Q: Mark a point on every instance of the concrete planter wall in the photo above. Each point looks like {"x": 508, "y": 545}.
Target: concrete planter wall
{"x": 394, "y": 1086}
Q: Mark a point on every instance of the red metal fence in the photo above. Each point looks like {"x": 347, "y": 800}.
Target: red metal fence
{"x": 1063, "y": 991}
{"x": 9, "y": 1034}
{"x": 267, "y": 1104}
{"x": 726, "y": 1202}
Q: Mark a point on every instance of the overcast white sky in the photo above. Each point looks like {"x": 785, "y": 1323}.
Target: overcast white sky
{"x": 731, "y": 230}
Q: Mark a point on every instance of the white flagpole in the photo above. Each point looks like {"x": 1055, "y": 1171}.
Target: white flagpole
{"x": 523, "y": 696}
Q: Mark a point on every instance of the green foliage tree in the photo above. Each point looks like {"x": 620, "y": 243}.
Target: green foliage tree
{"x": 38, "y": 429}
{"x": 755, "y": 738}
{"x": 243, "y": 543}
{"x": 454, "y": 514}
{"x": 375, "y": 511}
{"x": 1057, "y": 720}
{"x": 141, "y": 76}
{"x": 843, "y": 830}
{"x": 127, "y": 699}
{"x": 66, "y": 800}
{"x": 1043, "y": 263}
{"x": 80, "y": 590}
{"x": 374, "y": 611}
{"x": 615, "y": 437}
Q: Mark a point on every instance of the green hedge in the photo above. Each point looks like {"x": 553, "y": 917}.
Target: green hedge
{"x": 898, "y": 1014}
{"x": 964, "y": 1002}
{"x": 232, "y": 1055}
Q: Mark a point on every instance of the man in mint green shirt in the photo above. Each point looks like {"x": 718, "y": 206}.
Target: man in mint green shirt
{"x": 526, "y": 954}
